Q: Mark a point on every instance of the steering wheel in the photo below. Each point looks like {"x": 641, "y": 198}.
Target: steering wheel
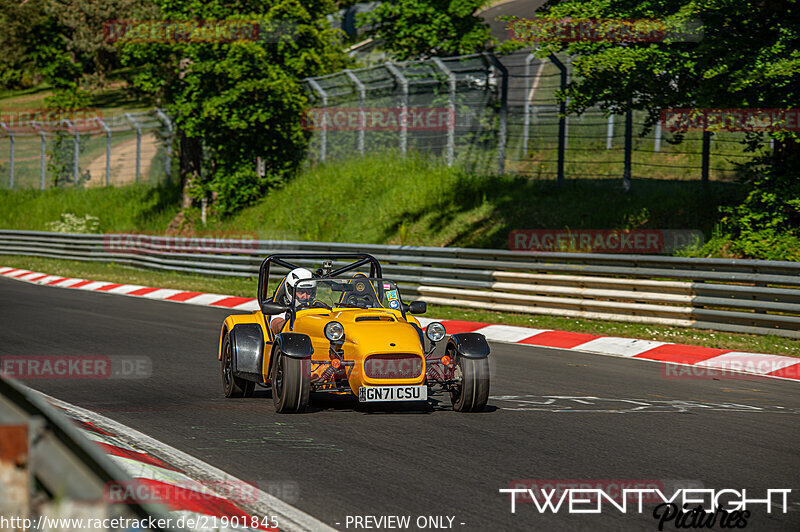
{"x": 321, "y": 304}
{"x": 356, "y": 301}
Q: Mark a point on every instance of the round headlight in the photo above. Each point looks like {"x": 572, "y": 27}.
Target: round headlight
{"x": 435, "y": 331}
{"x": 334, "y": 331}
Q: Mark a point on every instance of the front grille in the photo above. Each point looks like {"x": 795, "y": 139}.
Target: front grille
{"x": 393, "y": 366}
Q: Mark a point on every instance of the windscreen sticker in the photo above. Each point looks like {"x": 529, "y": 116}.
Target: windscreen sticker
{"x": 394, "y": 304}
{"x": 387, "y": 286}
{"x": 392, "y": 294}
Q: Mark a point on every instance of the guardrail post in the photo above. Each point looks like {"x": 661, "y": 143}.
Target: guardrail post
{"x": 610, "y": 132}
{"x": 562, "y": 120}
{"x": 626, "y": 172}
{"x": 323, "y": 141}
{"x": 168, "y": 165}
{"x": 451, "y": 108}
{"x": 11, "y": 155}
{"x": 361, "y": 100}
{"x": 403, "y": 82}
{"x": 138, "y": 143}
{"x": 706, "y": 157}
{"x": 108, "y": 150}
{"x": 503, "y": 125}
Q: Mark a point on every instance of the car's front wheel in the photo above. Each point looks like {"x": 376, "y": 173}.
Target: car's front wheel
{"x": 291, "y": 383}
{"x": 472, "y": 393}
{"x": 232, "y": 385}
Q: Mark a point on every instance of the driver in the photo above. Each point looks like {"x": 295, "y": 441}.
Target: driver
{"x": 302, "y": 297}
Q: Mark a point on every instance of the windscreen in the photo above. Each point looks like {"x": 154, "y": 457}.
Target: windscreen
{"x": 358, "y": 292}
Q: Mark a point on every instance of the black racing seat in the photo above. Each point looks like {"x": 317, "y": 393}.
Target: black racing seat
{"x": 363, "y": 293}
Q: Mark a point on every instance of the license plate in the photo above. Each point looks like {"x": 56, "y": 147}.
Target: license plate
{"x": 368, "y": 394}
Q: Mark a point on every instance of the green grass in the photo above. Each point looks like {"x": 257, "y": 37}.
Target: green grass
{"x": 388, "y": 199}
{"x": 134, "y": 208}
{"x": 246, "y": 287}
{"x": 385, "y": 198}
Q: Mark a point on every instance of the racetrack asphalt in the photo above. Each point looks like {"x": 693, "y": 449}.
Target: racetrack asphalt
{"x": 553, "y": 415}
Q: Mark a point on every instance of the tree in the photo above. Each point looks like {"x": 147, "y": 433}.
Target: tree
{"x": 61, "y": 43}
{"x": 748, "y": 57}
{"x": 236, "y": 101}
{"x": 423, "y": 28}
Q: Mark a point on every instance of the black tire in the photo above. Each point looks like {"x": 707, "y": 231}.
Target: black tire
{"x": 473, "y": 393}
{"x": 291, "y": 383}
{"x": 232, "y": 385}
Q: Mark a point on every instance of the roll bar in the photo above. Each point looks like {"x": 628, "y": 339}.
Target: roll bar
{"x": 282, "y": 259}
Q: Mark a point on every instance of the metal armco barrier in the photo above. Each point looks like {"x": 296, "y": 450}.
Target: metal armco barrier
{"x": 748, "y": 296}
{"x": 48, "y": 468}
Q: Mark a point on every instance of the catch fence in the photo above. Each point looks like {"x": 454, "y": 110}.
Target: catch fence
{"x": 86, "y": 149}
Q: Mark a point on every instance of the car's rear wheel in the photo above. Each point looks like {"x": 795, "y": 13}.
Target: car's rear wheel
{"x": 472, "y": 394}
{"x": 232, "y": 385}
{"x": 291, "y": 383}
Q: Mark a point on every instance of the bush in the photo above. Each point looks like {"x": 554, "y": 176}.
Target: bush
{"x": 766, "y": 225}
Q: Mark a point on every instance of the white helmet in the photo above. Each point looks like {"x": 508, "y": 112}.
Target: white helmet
{"x": 298, "y": 274}
{"x": 294, "y": 277}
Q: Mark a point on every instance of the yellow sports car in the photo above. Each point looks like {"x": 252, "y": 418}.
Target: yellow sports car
{"x": 343, "y": 331}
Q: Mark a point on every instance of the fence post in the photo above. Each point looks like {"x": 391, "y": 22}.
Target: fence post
{"x": 76, "y": 150}
{"x": 361, "y": 100}
{"x": 43, "y": 155}
{"x": 323, "y": 141}
{"x": 501, "y": 141}
{"x": 164, "y": 118}
{"x": 108, "y": 150}
{"x": 657, "y": 141}
{"x": 562, "y": 120}
{"x": 706, "y": 157}
{"x": 626, "y": 173}
{"x": 138, "y": 143}
{"x": 401, "y": 79}
{"x": 11, "y": 155}
{"x": 526, "y": 125}
{"x": 451, "y": 108}
{"x": 610, "y": 132}
{"x": 567, "y": 79}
